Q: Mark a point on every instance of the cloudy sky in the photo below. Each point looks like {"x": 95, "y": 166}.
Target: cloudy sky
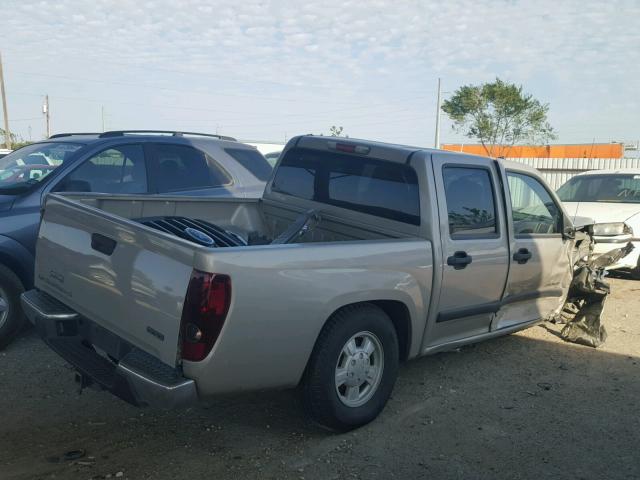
{"x": 271, "y": 69}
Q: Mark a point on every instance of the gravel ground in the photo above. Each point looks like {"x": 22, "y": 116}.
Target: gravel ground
{"x": 523, "y": 406}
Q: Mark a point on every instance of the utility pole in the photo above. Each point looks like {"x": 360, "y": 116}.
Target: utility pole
{"x": 7, "y": 132}
{"x": 45, "y": 110}
{"x": 437, "y": 140}
{"x": 103, "y": 123}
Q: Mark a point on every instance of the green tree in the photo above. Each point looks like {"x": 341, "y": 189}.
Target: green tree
{"x": 3, "y": 136}
{"x": 499, "y": 115}
{"x": 336, "y": 131}
{"x": 16, "y": 140}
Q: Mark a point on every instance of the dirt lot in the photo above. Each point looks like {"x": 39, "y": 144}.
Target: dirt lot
{"x": 523, "y": 406}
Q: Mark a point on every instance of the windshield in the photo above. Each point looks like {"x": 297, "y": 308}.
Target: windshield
{"x": 31, "y": 164}
{"x": 616, "y": 188}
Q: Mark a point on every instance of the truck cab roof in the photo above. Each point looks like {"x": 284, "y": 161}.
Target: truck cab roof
{"x": 392, "y": 152}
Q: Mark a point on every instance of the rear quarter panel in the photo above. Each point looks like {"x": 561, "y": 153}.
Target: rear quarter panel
{"x": 283, "y": 295}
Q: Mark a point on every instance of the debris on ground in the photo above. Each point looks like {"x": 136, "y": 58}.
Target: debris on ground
{"x": 67, "y": 456}
{"x": 585, "y": 302}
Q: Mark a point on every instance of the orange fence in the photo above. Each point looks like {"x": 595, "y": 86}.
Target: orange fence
{"x": 586, "y": 150}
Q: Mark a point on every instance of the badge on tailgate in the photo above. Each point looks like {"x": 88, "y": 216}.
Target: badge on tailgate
{"x": 155, "y": 333}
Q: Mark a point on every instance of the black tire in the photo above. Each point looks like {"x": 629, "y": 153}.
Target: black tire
{"x": 319, "y": 392}
{"x": 12, "y": 287}
{"x": 635, "y": 273}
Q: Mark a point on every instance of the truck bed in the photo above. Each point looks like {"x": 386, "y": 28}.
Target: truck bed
{"x": 132, "y": 279}
{"x": 262, "y": 217}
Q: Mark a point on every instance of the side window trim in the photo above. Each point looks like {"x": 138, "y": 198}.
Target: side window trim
{"x": 474, "y": 236}
{"x": 209, "y": 158}
{"x": 152, "y": 187}
{"x": 544, "y": 187}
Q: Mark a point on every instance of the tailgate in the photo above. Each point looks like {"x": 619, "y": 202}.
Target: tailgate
{"x": 113, "y": 271}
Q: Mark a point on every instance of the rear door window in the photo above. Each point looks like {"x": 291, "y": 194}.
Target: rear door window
{"x": 470, "y": 201}
{"x": 253, "y": 161}
{"x": 377, "y": 187}
{"x": 183, "y": 168}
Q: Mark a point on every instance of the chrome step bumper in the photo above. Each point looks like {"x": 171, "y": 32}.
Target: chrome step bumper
{"x": 137, "y": 377}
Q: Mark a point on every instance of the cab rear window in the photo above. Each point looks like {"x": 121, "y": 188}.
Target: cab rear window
{"x": 367, "y": 185}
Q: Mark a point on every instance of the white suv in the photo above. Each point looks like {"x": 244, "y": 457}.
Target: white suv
{"x": 612, "y": 199}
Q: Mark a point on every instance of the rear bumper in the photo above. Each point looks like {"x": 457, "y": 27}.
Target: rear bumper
{"x": 630, "y": 261}
{"x": 136, "y": 377}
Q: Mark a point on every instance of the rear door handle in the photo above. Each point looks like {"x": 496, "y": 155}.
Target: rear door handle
{"x": 522, "y": 256}
{"x": 459, "y": 260}
{"x": 103, "y": 244}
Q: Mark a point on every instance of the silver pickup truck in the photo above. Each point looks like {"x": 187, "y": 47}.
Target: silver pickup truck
{"x": 359, "y": 256}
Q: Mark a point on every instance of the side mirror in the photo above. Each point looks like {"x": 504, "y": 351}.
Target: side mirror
{"x": 568, "y": 230}
{"x": 74, "y": 186}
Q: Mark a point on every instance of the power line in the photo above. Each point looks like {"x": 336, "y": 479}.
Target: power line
{"x": 317, "y": 114}
{"x": 156, "y": 87}
{"x": 220, "y": 93}
{"x": 335, "y": 119}
{"x": 411, "y": 116}
{"x": 24, "y": 119}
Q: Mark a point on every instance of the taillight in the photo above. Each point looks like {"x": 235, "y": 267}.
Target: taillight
{"x": 205, "y": 310}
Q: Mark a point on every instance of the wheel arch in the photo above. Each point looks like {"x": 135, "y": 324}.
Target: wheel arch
{"x": 17, "y": 259}
{"x": 399, "y": 314}
{"x": 396, "y": 310}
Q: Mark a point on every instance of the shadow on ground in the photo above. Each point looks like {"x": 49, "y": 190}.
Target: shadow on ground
{"x": 514, "y": 407}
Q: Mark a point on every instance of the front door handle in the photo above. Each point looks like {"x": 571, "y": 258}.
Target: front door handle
{"x": 459, "y": 260}
{"x": 522, "y": 256}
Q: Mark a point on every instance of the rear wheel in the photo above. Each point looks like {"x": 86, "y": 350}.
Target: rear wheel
{"x": 352, "y": 369}
{"x": 11, "y": 317}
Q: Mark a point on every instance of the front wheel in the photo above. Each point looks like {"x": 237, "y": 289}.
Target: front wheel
{"x": 352, "y": 369}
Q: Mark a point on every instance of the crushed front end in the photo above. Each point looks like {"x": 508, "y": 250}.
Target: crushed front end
{"x": 582, "y": 311}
